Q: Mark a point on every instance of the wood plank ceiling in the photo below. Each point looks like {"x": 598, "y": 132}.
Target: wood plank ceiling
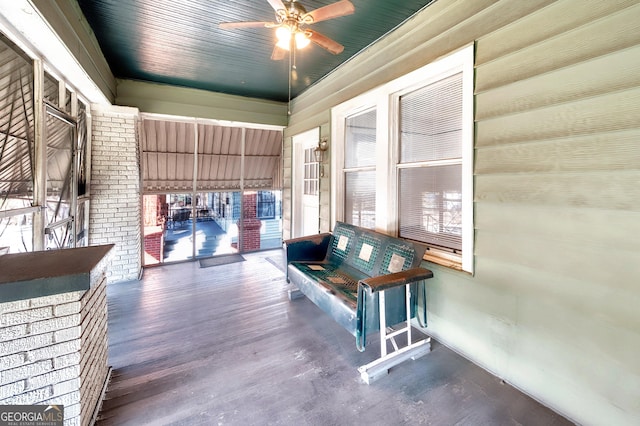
{"x": 179, "y": 42}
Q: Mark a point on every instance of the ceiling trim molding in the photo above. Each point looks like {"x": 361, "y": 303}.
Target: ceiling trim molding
{"x": 186, "y": 102}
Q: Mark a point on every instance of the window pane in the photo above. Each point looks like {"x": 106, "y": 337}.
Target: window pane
{"x": 83, "y": 165}
{"x": 431, "y": 205}
{"x": 82, "y": 225}
{"x": 16, "y": 234}
{"x": 51, "y": 88}
{"x": 310, "y": 173}
{"x": 360, "y": 140}
{"x": 16, "y": 129}
{"x": 360, "y": 199}
{"x": 431, "y": 122}
{"x": 59, "y": 237}
{"x": 59, "y": 168}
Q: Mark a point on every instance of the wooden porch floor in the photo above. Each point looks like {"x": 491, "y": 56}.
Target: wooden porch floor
{"x": 225, "y": 346}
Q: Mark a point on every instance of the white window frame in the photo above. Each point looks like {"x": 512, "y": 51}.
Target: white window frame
{"x": 385, "y": 100}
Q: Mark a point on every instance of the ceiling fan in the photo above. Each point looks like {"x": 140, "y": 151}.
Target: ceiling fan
{"x": 291, "y": 24}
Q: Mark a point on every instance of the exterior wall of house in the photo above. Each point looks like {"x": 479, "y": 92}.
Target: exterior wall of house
{"x": 116, "y": 203}
{"x": 552, "y": 307}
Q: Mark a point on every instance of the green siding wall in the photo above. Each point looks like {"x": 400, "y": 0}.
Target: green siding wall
{"x": 553, "y": 305}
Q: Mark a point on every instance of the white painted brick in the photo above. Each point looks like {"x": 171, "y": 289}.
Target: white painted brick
{"x": 55, "y": 324}
{"x": 52, "y": 377}
{"x": 66, "y": 334}
{"x": 18, "y": 305}
{"x": 25, "y": 371}
{"x": 12, "y": 361}
{"x": 53, "y": 351}
{"x": 24, "y": 317}
{"x": 32, "y": 397}
{"x": 72, "y": 415}
{"x": 27, "y": 343}
{"x": 12, "y": 389}
{"x": 66, "y": 360}
{"x": 55, "y": 299}
{"x": 68, "y": 387}
{"x": 13, "y": 332}
{"x": 67, "y": 309}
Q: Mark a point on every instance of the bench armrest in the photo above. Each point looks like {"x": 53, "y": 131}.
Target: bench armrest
{"x": 367, "y": 298}
{"x": 384, "y": 282}
{"x": 311, "y": 248}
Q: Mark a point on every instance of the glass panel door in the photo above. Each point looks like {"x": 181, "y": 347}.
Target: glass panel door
{"x": 178, "y": 236}
{"x": 216, "y": 225}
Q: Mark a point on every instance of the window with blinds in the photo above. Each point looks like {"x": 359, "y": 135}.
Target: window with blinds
{"x": 430, "y": 164}
{"x": 359, "y": 169}
{"x": 406, "y": 163}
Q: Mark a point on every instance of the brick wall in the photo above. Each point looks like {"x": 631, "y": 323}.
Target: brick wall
{"x": 153, "y": 244}
{"x": 54, "y": 351}
{"x": 94, "y": 346}
{"x": 250, "y": 224}
{"x": 115, "y": 208}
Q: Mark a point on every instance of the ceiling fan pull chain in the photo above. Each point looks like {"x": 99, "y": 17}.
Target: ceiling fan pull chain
{"x": 290, "y": 66}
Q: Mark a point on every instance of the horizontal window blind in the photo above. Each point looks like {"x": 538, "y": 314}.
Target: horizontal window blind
{"x": 431, "y": 205}
{"x": 360, "y": 199}
{"x": 360, "y": 146}
{"x": 359, "y": 168}
{"x": 430, "y": 191}
{"x": 431, "y": 122}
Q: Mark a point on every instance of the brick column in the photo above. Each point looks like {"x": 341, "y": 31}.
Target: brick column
{"x": 250, "y": 223}
{"x": 154, "y": 209}
{"x": 115, "y": 208}
{"x": 54, "y": 351}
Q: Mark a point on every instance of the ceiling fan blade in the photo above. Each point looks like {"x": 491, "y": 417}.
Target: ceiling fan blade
{"x": 334, "y": 10}
{"x": 278, "y": 53}
{"x": 325, "y": 42}
{"x": 277, "y": 5}
{"x": 247, "y": 24}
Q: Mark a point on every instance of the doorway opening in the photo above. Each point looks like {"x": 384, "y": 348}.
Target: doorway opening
{"x": 179, "y": 226}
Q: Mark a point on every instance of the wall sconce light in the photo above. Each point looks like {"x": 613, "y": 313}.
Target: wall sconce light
{"x": 323, "y": 145}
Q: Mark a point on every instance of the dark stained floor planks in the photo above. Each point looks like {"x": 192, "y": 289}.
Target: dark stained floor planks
{"x": 225, "y": 346}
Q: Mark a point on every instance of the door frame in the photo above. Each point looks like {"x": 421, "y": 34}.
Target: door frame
{"x": 300, "y": 142}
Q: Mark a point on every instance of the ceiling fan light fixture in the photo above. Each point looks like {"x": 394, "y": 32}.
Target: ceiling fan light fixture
{"x": 283, "y": 34}
{"x": 302, "y": 40}
{"x": 283, "y": 44}
{"x": 290, "y": 25}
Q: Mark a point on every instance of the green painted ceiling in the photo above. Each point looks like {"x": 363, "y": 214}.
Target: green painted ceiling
{"x": 178, "y": 42}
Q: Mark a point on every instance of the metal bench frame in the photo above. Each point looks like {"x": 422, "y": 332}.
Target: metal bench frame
{"x": 364, "y": 296}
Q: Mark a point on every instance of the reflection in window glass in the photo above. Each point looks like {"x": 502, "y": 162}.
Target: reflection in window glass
{"x": 83, "y": 165}
{"x": 82, "y": 225}
{"x": 16, "y": 128}
{"x": 59, "y": 237}
{"x": 59, "y": 168}
{"x": 16, "y": 234}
